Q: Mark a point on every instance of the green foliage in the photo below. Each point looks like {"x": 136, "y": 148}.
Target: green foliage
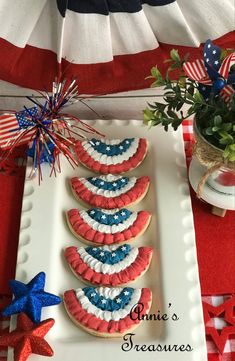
{"x": 215, "y": 118}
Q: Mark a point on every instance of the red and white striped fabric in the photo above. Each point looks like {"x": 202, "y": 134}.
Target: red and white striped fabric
{"x": 109, "y": 45}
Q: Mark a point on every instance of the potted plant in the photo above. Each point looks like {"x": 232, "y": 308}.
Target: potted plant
{"x": 205, "y": 89}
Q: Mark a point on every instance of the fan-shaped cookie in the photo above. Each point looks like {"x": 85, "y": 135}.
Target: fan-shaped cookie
{"x": 107, "y": 312}
{"x": 110, "y": 191}
{"x": 109, "y": 265}
{"x": 112, "y": 156}
{"x": 105, "y": 227}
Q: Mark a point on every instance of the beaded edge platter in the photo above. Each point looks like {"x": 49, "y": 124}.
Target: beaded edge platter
{"x": 44, "y": 235}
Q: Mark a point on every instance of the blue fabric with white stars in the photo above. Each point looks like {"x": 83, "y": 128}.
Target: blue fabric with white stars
{"x": 30, "y": 298}
{"x": 109, "y": 257}
{"x": 109, "y": 219}
{"x": 111, "y": 149}
{"x": 24, "y": 117}
{"x": 111, "y": 186}
{"x": 107, "y": 304}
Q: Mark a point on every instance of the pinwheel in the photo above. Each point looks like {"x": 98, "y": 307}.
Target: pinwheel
{"x": 214, "y": 77}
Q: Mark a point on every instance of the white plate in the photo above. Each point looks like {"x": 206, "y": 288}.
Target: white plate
{"x": 44, "y": 235}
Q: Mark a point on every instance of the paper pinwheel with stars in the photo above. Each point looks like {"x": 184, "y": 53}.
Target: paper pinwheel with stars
{"x": 213, "y": 75}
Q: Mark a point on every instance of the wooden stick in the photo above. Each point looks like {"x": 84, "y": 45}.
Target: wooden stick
{"x": 220, "y": 212}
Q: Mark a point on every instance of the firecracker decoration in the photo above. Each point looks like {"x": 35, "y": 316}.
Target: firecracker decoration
{"x": 212, "y": 74}
{"x": 30, "y": 298}
{"x": 46, "y": 128}
{"x": 28, "y": 338}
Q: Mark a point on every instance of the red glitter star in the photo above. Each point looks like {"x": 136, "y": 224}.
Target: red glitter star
{"x": 226, "y": 310}
{"x": 28, "y": 338}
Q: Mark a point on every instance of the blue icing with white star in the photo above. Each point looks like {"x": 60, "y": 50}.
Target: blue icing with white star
{"x": 111, "y": 149}
{"x": 111, "y": 186}
{"x": 107, "y": 304}
{"x": 109, "y": 218}
{"x": 109, "y": 257}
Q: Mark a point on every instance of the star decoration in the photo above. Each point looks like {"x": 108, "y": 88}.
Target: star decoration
{"x": 103, "y": 301}
{"x": 118, "y": 300}
{"x": 123, "y": 248}
{"x": 28, "y": 338}
{"x": 103, "y": 216}
{"x": 126, "y": 293}
{"x": 122, "y": 180}
{"x": 226, "y": 310}
{"x": 123, "y": 213}
{"x": 114, "y": 184}
{"x": 113, "y": 254}
{"x": 30, "y": 298}
{"x": 115, "y": 217}
{"x": 101, "y": 254}
{"x": 93, "y": 294}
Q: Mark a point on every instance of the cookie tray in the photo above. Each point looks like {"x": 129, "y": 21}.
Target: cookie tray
{"x": 173, "y": 274}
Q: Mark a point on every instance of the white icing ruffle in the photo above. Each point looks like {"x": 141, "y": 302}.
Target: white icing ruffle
{"x": 111, "y": 160}
{"x": 108, "y": 315}
{"x": 105, "y": 228}
{"x": 108, "y": 193}
{"x": 109, "y": 269}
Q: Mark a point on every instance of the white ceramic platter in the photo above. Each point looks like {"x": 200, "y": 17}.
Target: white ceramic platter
{"x": 173, "y": 275}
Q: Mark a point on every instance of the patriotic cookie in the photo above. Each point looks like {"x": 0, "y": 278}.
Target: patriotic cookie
{"x": 109, "y": 265}
{"x": 107, "y": 312}
{"x": 111, "y": 156}
{"x": 110, "y": 191}
{"x": 105, "y": 227}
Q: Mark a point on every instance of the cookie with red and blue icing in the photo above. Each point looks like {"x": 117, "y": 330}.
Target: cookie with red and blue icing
{"x": 106, "y": 227}
{"x": 110, "y": 191}
{"x": 107, "y": 312}
{"x": 114, "y": 156}
{"x": 109, "y": 265}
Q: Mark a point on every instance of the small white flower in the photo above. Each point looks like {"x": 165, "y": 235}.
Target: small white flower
{"x": 113, "y": 254}
{"x": 118, "y": 300}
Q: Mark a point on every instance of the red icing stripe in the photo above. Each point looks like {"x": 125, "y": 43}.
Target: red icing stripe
{"x": 82, "y": 229}
{"x": 99, "y": 201}
{"x": 125, "y": 166}
{"x": 129, "y": 274}
{"x": 94, "y": 323}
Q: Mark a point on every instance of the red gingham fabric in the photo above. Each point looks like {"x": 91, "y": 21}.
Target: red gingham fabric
{"x": 217, "y": 322}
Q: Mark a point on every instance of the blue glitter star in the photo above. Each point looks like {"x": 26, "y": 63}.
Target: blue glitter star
{"x": 30, "y": 298}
